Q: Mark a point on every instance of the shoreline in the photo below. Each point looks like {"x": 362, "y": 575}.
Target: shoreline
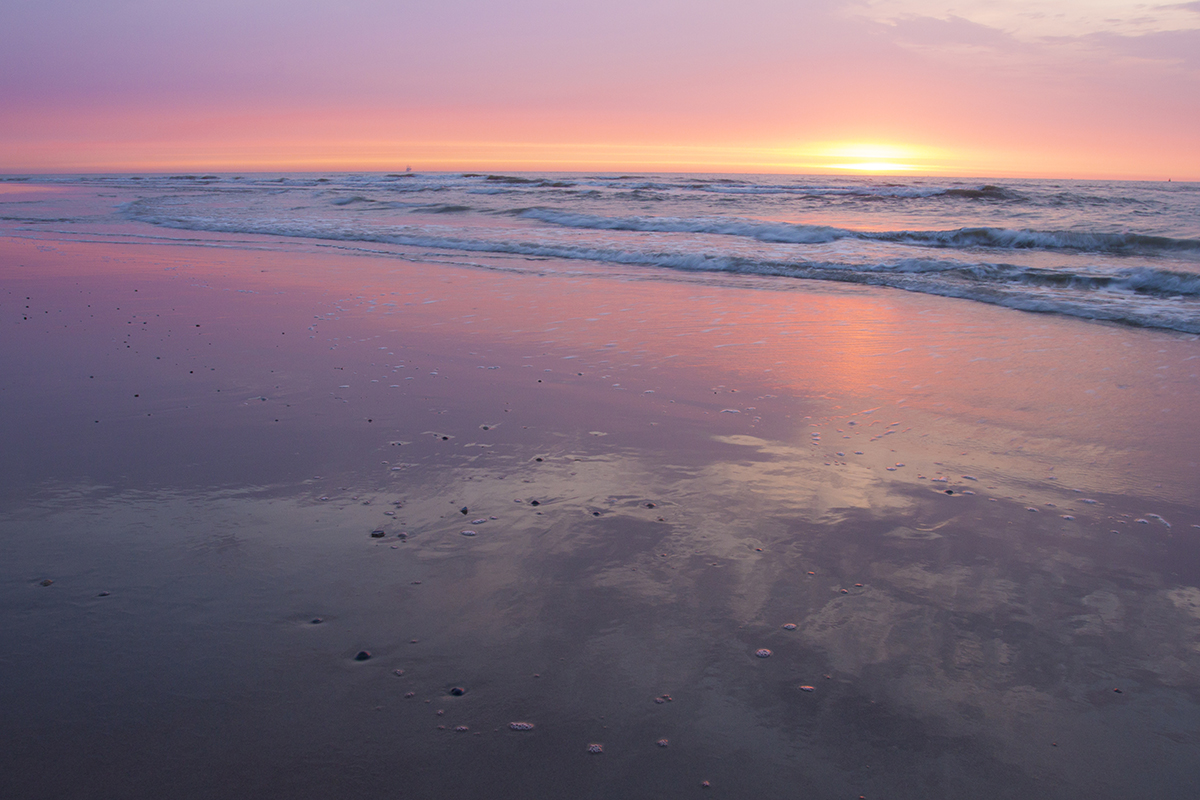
{"x": 982, "y": 631}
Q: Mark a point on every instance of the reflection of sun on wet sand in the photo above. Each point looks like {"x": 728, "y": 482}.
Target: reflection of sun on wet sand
{"x": 572, "y": 531}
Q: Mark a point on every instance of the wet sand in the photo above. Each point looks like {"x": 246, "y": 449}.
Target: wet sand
{"x": 982, "y": 522}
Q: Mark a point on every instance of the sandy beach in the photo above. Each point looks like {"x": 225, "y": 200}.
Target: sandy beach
{"x": 597, "y": 499}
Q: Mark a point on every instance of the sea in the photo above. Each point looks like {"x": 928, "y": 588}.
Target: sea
{"x": 431, "y": 485}
{"x": 1120, "y": 251}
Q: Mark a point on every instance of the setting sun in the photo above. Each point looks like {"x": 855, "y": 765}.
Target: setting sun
{"x": 876, "y": 166}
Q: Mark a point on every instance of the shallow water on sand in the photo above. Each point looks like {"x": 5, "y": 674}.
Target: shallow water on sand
{"x": 980, "y": 522}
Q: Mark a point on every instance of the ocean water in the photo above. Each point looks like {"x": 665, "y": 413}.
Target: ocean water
{"x": 1121, "y": 251}
{"x": 248, "y": 419}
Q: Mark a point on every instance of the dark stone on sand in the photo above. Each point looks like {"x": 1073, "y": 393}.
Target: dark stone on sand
{"x": 595, "y": 513}
{"x": 363, "y": 655}
{"x": 651, "y": 505}
{"x": 458, "y": 691}
{"x": 464, "y": 510}
{"x": 377, "y": 534}
{"x": 316, "y": 621}
{"x": 47, "y": 582}
{"x": 534, "y": 503}
{"x": 537, "y": 459}
{"x": 104, "y": 594}
{"x": 949, "y": 491}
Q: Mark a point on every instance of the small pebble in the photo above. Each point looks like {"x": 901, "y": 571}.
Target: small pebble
{"x": 791, "y": 626}
{"x": 534, "y": 503}
{"x": 478, "y": 521}
{"x": 1067, "y": 516}
{"x": 595, "y": 748}
{"x": 464, "y": 510}
{"x": 705, "y": 785}
{"x": 440, "y": 712}
{"x": 458, "y": 691}
{"x": 363, "y": 655}
{"x": 378, "y": 534}
{"x": 659, "y": 700}
{"x": 663, "y": 743}
{"x": 807, "y": 688}
{"x": 467, "y": 533}
{"x": 763, "y": 653}
{"x": 409, "y": 695}
{"x": 47, "y": 582}
{"x": 667, "y": 697}
{"x": 461, "y": 729}
{"x": 521, "y": 726}
{"x": 397, "y": 672}
{"x": 104, "y": 594}
{"x": 316, "y": 621}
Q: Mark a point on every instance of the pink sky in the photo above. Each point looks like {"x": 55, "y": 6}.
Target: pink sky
{"x": 1089, "y": 88}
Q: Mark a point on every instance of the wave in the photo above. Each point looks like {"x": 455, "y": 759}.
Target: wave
{"x": 1141, "y": 296}
{"x": 798, "y": 233}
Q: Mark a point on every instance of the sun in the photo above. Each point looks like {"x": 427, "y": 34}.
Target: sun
{"x": 875, "y": 166}
{"x": 875, "y": 157}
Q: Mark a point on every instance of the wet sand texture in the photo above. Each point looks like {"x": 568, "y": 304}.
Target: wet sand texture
{"x": 234, "y": 488}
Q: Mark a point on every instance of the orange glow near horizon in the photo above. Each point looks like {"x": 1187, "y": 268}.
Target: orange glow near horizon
{"x": 876, "y": 166}
{"x": 355, "y": 139}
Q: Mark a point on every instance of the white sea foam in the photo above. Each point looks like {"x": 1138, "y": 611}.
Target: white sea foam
{"x": 1114, "y": 251}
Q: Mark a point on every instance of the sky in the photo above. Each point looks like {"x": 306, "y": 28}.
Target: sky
{"x": 1035, "y": 88}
